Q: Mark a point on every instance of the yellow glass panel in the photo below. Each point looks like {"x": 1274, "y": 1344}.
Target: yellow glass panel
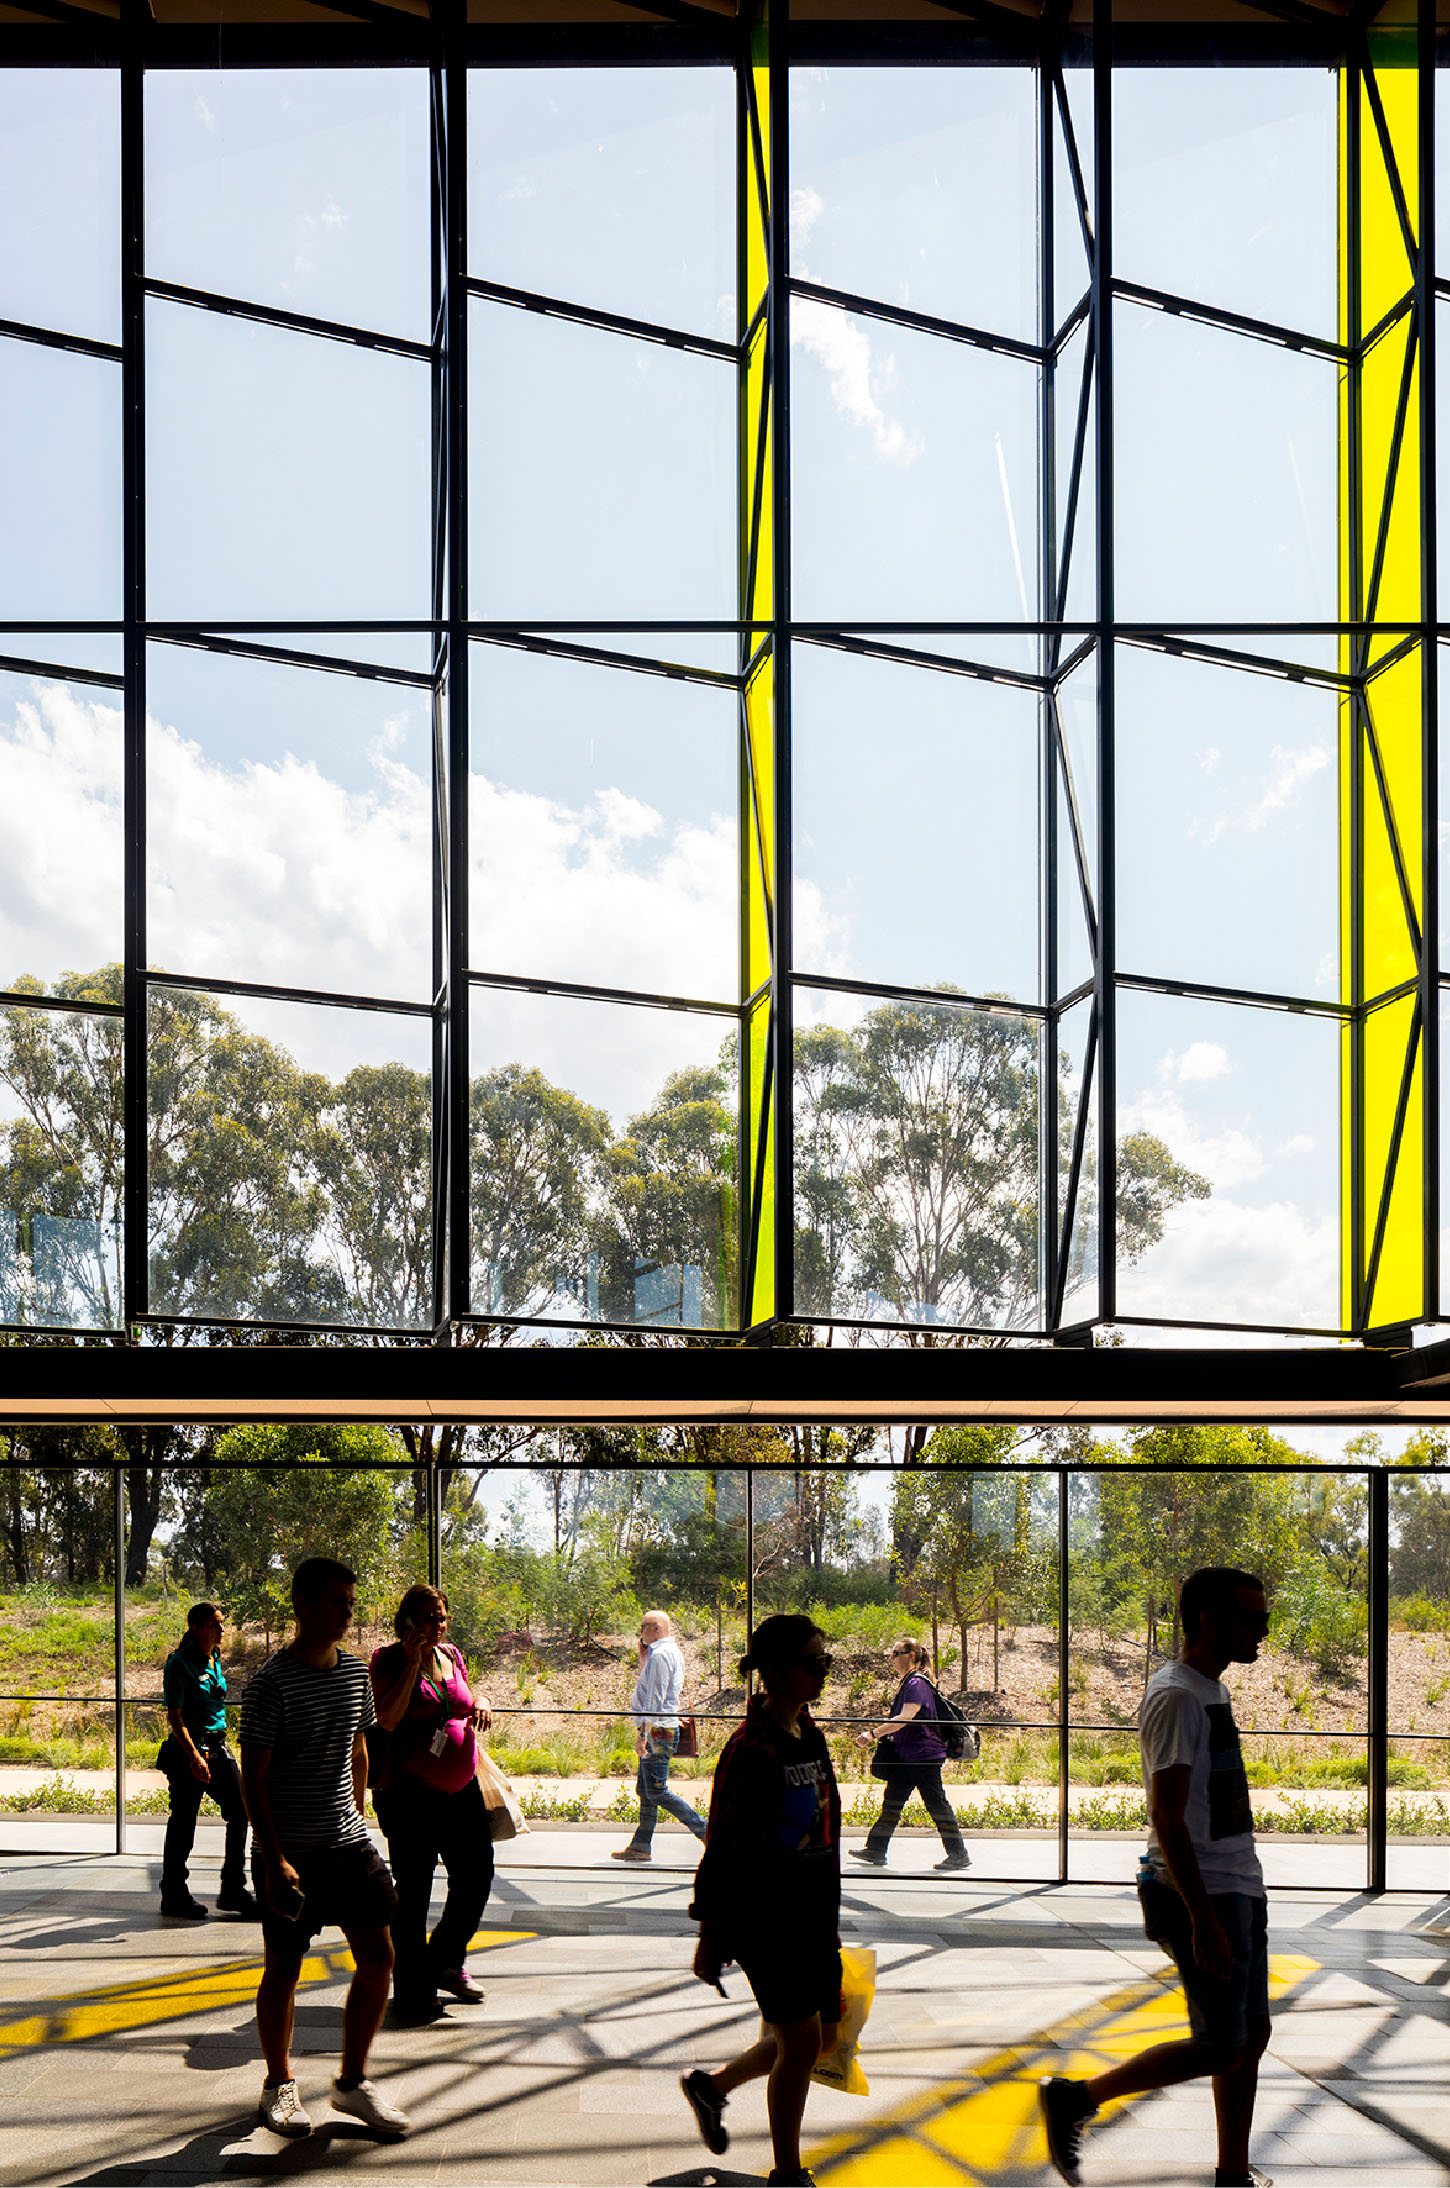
{"x": 1400, "y": 1283}
{"x": 759, "y": 1304}
{"x": 760, "y": 826}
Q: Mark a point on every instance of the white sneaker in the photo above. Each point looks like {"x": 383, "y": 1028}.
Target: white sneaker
{"x": 280, "y": 2108}
{"x": 364, "y": 2103}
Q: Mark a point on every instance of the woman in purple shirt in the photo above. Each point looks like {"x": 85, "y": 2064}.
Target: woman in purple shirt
{"x": 429, "y": 1803}
{"x": 916, "y": 1757}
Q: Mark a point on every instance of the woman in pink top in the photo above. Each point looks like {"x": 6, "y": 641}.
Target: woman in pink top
{"x": 429, "y": 1803}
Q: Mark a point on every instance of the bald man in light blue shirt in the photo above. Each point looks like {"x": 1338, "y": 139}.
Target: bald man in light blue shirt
{"x": 656, "y": 1712}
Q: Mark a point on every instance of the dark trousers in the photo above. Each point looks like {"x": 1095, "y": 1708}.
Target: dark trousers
{"x": 186, "y": 1798}
{"x": 423, "y": 1827}
{"x": 906, "y": 1779}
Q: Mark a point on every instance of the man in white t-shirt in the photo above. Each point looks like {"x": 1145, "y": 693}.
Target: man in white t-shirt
{"x": 1203, "y": 1896}
{"x": 655, "y": 1708}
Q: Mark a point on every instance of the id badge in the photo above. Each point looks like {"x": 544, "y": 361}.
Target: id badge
{"x": 439, "y": 1741}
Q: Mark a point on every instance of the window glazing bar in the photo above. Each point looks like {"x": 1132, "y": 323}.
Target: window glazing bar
{"x": 951, "y": 998}
{"x": 14, "y": 665}
{"x": 602, "y": 657}
{"x": 1231, "y": 322}
{"x": 979, "y": 671}
{"x": 897, "y": 315}
{"x": 1252, "y": 664}
{"x": 607, "y": 322}
{"x": 294, "y": 322}
{"x": 638, "y": 998}
{"x": 16, "y": 999}
{"x": 261, "y": 991}
{"x": 333, "y": 664}
{"x": 21, "y": 330}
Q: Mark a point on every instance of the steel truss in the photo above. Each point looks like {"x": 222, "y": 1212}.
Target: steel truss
{"x": 1392, "y": 1162}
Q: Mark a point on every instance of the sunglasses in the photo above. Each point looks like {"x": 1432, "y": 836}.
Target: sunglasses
{"x": 822, "y": 1664}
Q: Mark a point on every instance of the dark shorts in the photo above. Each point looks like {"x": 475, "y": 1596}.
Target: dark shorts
{"x": 1219, "y": 2012}
{"x": 350, "y": 1887}
{"x": 793, "y": 1986}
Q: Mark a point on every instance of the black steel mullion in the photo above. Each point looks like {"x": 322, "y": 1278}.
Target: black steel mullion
{"x": 1074, "y": 165}
{"x": 604, "y": 322}
{"x": 1388, "y": 660}
{"x": 1074, "y": 1175}
{"x": 1064, "y": 1646}
{"x": 1048, "y": 649}
{"x": 1387, "y": 154}
{"x": 918, "y": 322}
{"x": 1426, "y": 27}
{"x": 457, "y": 1243}
{"x": 1106, "y": 935}
{"x": 22, "y": 330}
{"x": 1358, "y": 650}
{"x": 1079, "y": 451}
{"x": 1081, "y": 310}
{"x": 289, "y": 322}
{"x": 946, "y": 998}
{"x": 1209, "y": 991}
{"x": 980, "y": 672}
{"x": 1392, "y": 1157}
{"x": 782, "y": 1007}
{"x": 585, "y": 991}
{"x": 135, "y": 1196}
{"x": 267, "y": 992}
{"x": 1390, "y": 319}
{"x": 1228, "y": 322}
{"x": 16, "y": 999}
{"x": 438, "y": 744}
{"x": 53, "y": 672}
{"x": 1252, "y": 664}
{"x": 1377, "y": 1686}
{"x": 331, "y": 664}
{"x": 561, "y": 649}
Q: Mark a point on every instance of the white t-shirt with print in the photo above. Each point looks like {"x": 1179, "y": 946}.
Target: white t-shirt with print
{"x": 1186, "y": 1718}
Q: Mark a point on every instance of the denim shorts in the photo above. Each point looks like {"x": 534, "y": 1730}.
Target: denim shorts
{"x": 1219, "y": 2011}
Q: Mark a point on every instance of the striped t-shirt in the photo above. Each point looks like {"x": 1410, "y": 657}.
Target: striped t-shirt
{"x": 310, "y": 1718}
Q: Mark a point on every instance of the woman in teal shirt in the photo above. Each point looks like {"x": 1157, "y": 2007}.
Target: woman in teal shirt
{"x": 196, "y": 1760}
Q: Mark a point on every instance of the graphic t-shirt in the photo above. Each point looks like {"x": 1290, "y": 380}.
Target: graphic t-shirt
{"x": 1186, "y": 1718}
{"x": 309, "y": 1719}
{"x": 196, "y": 1688}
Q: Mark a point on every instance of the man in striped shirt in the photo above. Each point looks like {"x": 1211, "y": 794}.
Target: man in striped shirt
{"x": 305, "y": 1718}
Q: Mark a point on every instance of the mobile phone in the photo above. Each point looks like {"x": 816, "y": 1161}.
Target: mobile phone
{"x": 294, "y": 1899}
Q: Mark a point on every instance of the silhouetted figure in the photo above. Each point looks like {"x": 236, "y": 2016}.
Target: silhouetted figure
{"x": 1200, "y": 1882}
{"x": 656, "y": 1712}
{"x": 429, "y": 1803}
{"x": 197, "y": 1760}
{"x": 917, "y": 1753}
{"x": 768, "y": 1889}
{"x": 305, "y": 1719}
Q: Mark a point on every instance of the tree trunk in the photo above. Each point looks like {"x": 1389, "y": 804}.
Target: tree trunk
{"x": 145, "y": 1483}
{"x": 996, "y": 1642}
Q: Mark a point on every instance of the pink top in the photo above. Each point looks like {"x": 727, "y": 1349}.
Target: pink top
{"x": 435, "y": 1706}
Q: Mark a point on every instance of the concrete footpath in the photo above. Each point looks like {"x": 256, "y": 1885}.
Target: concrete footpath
{"x": 128, "y": 2056}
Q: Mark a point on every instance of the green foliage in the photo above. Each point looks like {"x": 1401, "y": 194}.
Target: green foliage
{"x": 1320, "y": 1620}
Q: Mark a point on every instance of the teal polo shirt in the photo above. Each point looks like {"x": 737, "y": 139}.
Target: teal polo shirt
{"x": 197, "y": 1688}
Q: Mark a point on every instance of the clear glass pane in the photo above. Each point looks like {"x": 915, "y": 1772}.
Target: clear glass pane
{"x": 61, "y": 1170}
{"x": 914, "y": 469}
{"x": 410, "y": 653}
{"x": 603, "y": 1161}
{"x": 1225, "y": 189}
{"x": 278, "y": 800}
{"x": 61, "y": 843}
{"x": 1228, "y": 1163}
{"x": 1080, "y": 1281}
{"x": 1419, "y": 1681}
{"x": 603, "y": 829}
{"x": 887, "y": 761}
{"x": 612, "y": 187}
{"x": 60, "y": 484}
{"x": 1077, "y": 824}
{"x": 306, "y": 189}
{"x": 60, "y": 199}
{"x": 547, "y": 1563}
{"x": 1071, "y": 273}
{"x": 1076, "y": 547}
{"x": 916, "y": 1162}
{"x": 889, "y": 170}
{"x": 290, "y": 1162}
{"x": 99, "y": 650}
{"x": 286, "y": 476}
{"x": 1228, "y": 826}
{"x": 602, "y": 473}
{"x": 1227, "y": 475}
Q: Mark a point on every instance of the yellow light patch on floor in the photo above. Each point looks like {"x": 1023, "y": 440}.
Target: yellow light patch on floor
{"x": 127, "y": 2006}
{"x": 983, "y": 2126}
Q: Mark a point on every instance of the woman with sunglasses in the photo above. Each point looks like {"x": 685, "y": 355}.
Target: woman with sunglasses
{"x": 916, "y": 1756}
{"x": 768, "y": 1890}
{"x": 429, "y": 1803}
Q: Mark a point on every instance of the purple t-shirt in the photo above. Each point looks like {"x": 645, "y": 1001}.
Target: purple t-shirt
{"x": 917, "y": 1742}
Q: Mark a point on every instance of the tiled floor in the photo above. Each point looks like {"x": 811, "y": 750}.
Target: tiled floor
{"x": 128, "y": 2055}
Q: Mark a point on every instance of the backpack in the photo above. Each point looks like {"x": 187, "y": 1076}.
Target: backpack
{"x": 958, "y": 1735}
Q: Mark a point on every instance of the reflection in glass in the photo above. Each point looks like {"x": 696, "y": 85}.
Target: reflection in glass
{"x": 61, "y": 1166}
{"x": 609, "y": 187}
{"x": 306, "y": 189}
{"x": 603, "y": 828}
{"x": 1227, "y": 475}
{"x": 60, "y": 199}
{"x": 889, "y": 168}
{"x": 1225, "y": 189}
{"x": 888, "y": 887}
{"x": 1228, "y": 826}
{"x": 60, "y": 463}
{"x": 1228, "y": 1154}
{"x": 603, "y": 1157}
{"x": 916, "y": 1162}
{"x": 290, "y": 1172}
{"x": 257, "y": 503}
{"x": 602, "y": 473}
{"x": 60, "y": 828}
{"x": 289, "y": 825}
{"x": 914, "y": 468}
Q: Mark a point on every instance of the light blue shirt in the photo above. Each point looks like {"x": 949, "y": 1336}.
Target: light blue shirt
{"x": 657, "y": 1689}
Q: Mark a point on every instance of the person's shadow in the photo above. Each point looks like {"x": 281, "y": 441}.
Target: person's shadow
{"x": 705, "y": 2176}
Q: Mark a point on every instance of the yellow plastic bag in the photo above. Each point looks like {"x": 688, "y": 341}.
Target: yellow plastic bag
{"x": 841, "y": 2069}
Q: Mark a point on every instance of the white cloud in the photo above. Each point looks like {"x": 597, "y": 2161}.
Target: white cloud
{"x": 204, "y": 114}
{"x": 806, "y": 208}
{"x": 1208, "y": 758}
{"x": 1300, "y": 1143}
{"x": 842, "y": 345}
{"x": 1200, "y": 1060}
{"x": 1289, "y": 773}
{"x": 1227, "y": 1155}
{"x": 1220, "y": 1261}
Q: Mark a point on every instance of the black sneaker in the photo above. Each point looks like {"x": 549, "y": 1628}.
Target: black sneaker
{"x": 1251, "y": 2177}
{"x": 864, "y": 1853}
{"x": 958, "y": 1858}
{"x": 705, "y": 2101}
{"x": 802, "y": 2179}
{"x": 1064, "y": 2108}
{"x": 239, "y": 1902}
{"x": 182, "y": 1907}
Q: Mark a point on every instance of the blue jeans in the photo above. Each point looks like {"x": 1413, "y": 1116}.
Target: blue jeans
{"x": 653, "y": 1786}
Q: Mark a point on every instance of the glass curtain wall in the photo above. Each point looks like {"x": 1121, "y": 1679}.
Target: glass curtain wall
{"x": 618, "y": 711}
